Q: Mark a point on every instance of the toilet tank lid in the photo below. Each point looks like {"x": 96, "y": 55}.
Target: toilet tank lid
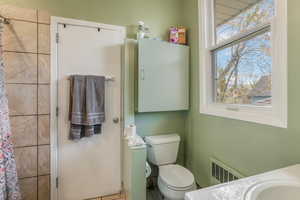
{"x": 162, "y": 139}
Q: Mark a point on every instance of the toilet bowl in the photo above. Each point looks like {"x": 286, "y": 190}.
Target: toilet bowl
{"x": 173, "y": 180}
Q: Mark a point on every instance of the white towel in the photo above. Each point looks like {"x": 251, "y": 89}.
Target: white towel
{"x": 135, "y": 141}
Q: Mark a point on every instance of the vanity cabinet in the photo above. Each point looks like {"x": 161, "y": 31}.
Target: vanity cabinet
{"x": 163, "y": 76}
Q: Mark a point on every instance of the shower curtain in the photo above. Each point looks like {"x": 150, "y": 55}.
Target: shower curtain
{"x": 9, "y": 187}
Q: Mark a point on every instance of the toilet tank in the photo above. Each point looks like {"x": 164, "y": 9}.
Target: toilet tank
{"x": 162, "y": 149}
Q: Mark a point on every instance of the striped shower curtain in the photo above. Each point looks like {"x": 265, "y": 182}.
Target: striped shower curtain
{"x": 9, "y": 187}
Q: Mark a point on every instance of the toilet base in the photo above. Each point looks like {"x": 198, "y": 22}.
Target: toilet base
{"x": 170, "y": 194}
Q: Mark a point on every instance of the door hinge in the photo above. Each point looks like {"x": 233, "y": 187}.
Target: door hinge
{"x": 57, "y": 37}
{"x": 57, "y": 111}
{"x": 56, "y": 182}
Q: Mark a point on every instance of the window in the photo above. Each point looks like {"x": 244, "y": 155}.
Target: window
{"x": 244, "y": 54}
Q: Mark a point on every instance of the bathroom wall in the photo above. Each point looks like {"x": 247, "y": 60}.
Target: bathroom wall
{"x": 159, "y": 15}
{"x": 27, "y": 63}
{"x": 160, "y": 123}
{"x": 250, "y": 148}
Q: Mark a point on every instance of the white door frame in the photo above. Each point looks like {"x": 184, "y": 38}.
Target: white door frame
{"x": 55, "y": 21}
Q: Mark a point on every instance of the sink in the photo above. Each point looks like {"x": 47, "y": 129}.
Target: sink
{"x": 280, "y": 193}
{"x": 281, "y": 184}
{"x": 274, "y": 190}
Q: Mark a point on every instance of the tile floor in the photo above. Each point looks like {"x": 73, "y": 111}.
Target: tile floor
{"x": 152, "y": 194}
{"x": 120, "y": 196}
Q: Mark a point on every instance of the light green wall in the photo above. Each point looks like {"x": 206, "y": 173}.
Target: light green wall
{"x": 161, "y": 123}
{"x": 159, "y": 15}
{"x": 248, "y": 147}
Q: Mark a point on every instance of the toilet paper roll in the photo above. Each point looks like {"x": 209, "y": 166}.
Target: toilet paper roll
{"x": 130, "y": 131}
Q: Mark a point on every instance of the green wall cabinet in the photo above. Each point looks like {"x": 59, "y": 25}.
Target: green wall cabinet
{"x": 163, "y": 76}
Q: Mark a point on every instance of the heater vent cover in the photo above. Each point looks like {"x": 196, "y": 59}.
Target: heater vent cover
{"x": 221, "y": 173}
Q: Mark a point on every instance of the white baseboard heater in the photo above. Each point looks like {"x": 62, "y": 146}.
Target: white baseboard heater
{"x": 221, "y": 173}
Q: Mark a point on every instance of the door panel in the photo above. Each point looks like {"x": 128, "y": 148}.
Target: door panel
{"x": 89, "y": 167}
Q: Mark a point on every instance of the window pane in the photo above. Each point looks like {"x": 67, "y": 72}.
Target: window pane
{"x": 234, "y": 16}
{"x": 243, "y": 72}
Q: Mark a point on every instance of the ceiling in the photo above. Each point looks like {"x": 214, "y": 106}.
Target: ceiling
{"x": 227, "y": 9}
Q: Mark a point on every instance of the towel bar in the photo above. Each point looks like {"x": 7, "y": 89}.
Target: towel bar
{"x": 107, "y": 78}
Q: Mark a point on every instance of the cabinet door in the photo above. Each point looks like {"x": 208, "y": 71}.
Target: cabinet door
{"x": 163, "y": 76}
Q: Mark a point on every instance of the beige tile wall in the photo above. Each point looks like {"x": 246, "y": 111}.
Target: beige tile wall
{"x": 26, "y": 44}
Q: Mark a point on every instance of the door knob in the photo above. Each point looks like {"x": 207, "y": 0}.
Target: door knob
{"x": 116, "y": 120}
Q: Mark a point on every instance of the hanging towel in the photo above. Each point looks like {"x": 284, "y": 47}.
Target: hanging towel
{"x": 87, "y": 113}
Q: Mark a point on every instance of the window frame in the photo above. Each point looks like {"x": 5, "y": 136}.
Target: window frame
{"x": 275, "y": 115}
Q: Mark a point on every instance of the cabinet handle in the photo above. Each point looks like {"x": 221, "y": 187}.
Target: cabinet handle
{"x": 143, "y": 74}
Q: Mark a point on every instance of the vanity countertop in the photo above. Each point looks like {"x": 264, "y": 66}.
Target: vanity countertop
{"x": 241, "y": 189}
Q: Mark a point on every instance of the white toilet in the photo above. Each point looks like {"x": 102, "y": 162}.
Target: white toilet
{"x": 173, "y": 180}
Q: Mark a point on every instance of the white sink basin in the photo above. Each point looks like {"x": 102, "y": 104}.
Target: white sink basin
{"x": 274, "y": 190}
{"x": 281, "y": 184}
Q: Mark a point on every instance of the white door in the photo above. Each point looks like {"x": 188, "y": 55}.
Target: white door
{"x": 90, "y": 167}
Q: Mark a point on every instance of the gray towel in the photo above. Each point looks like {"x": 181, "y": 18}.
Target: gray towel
{"x": 87, "y": 95}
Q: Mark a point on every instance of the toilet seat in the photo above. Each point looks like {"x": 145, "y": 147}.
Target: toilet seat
{"x": 182, "y": 189}
{"x": 173, "y": 193}
{"x": 176, "y": 177}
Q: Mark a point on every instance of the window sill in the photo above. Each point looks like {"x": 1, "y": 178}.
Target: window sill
{"x": 263, "y": 115}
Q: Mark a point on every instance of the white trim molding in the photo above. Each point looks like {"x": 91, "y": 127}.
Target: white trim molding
{"x": 55, "y": 21}
{"x": 275, "y": 115}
